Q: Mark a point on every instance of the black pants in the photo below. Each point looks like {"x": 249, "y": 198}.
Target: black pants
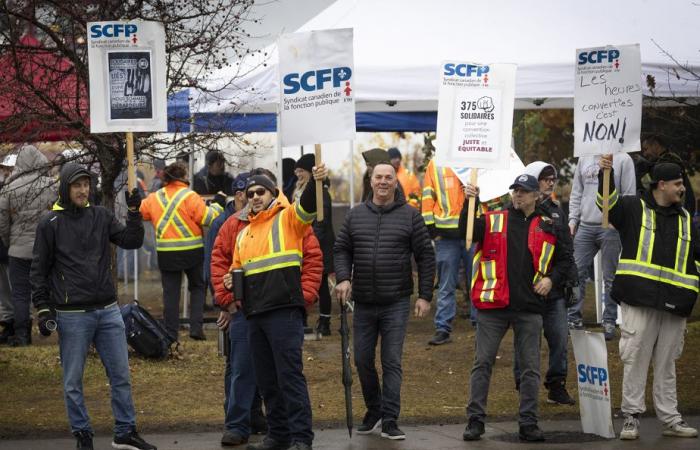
{"x": 324, "y": 297}
{"x": 21, "y": 293}
{"x": 172, "y": 283}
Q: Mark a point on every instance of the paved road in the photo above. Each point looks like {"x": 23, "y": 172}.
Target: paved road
{"x": 499, "y": 435}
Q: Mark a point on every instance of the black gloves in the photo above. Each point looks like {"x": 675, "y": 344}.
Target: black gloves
{"x": 47, "y": 322}
{"x": 133, "y": 200}
{"x": 220, "y": 199}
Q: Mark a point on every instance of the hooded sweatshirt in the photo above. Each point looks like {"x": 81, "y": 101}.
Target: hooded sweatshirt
{"x": 72, "y": 258}
{"x": 28, "y": 194}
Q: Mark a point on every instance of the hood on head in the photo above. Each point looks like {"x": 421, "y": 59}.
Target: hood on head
{"x": 69, "y": 173}
{"x": 29, "y": 159}
{"x": 536, "y": 168}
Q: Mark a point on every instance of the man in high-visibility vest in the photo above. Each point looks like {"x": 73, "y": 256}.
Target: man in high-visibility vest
{"x": 178, "y": 215}
{"x": 656, "y": 285}
{"x": 441, "y": 204}
{"x": 515, "y": 266}
{"x": 407, "y": 179}
{"x": 269, "y": 251}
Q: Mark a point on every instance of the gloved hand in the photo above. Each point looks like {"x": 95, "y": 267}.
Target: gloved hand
{"x": 220, "y": 198}
{"x": 47, "y": 322}
{"x": 133, "y": 199}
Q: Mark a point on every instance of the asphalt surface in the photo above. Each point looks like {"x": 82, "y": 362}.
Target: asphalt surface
{"x": 560, "y": 434}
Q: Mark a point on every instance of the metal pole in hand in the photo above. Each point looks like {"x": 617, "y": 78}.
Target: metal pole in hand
{"x": 319, "y": 185}
{"x": 470, "y": 212}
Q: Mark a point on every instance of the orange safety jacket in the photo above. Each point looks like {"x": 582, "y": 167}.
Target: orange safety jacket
{"x": 410, "y": 185}
{"x": 489, "y": 269}
{"x": 269, "y": 250}
{"x": 178, "y": 215}
{"x": 442, "y": 201}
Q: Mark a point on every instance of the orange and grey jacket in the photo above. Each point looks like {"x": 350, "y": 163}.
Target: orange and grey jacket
{"x": 442, "y": 201}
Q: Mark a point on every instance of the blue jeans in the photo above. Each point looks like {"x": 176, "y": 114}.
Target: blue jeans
{"x": 105, "y": 329}
{"x": 587, "y": 241}
{"x": 276, "y": 338}
{"x": 388, "y": 321}
{"x": 448, "y": 254}
{"x": 556, "y": 332}
{"x": 239, "y": 380}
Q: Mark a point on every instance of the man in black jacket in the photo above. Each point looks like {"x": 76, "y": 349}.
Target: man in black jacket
{"x": 511, "y": 279}
{"x": 213, "y": 178}
{"x": 656, "y": 285}
{"x": 374, "y": 249}
{"x": 72, "y": 288}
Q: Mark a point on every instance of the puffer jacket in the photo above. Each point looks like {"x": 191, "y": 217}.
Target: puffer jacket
{"x": 374, "y": 248}
{"x": 28, "y": 195}
{"x": 72, "y": 263}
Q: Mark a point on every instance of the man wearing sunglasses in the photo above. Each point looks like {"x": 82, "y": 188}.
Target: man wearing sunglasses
{"x": 269, "y": 251}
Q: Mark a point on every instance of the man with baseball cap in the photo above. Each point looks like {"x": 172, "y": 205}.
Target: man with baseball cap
{"x": 656, "y": 286}
{"x": 515, "y": 266}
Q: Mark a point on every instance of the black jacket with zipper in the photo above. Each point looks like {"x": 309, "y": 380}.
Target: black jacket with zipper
{"x": 374, "y": 247}
{"x": 72, "y": 258}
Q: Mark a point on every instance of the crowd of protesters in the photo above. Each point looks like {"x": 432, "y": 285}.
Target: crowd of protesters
{"x": 244, "y": 234}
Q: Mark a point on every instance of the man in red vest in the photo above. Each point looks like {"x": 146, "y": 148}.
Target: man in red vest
{"x": 515, "y": 266}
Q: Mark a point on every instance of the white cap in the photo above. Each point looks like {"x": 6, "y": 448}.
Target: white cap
{"x": 9, "y": 161}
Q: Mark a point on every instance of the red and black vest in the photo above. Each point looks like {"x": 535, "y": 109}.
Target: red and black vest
{"x": 489, "y": 268}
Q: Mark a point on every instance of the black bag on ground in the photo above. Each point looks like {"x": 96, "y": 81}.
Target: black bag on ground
{"x": 145, "y": 334}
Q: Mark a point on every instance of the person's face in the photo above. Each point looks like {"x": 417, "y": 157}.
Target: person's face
{"x": 259, "y": 198}
{"x": 216, "y": 168}
{"x": 79, "y": 191}
{"x": 240, "y": 198}
{"x": 302, "y": 175}
{"x": 396, "y": 162}
{"x": 524, "y": 200}
{"x": 672, "y": 191}
{"x": 547, "y": 185}
{"x": 651, "y": 149}
{"x": 383, "y": 182}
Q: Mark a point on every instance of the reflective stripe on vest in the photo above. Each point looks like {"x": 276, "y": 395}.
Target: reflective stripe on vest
{"x": 543, "y": 263}
{"x": 642, "y": 266}
{"x": 170, "y": 215}
{"x": 448, "y": 220}
{"x": 475, "y": 267}
{"x": 488, "y": 273}
{"x": 497, "y": 223}
{"x": 277, "y": 258}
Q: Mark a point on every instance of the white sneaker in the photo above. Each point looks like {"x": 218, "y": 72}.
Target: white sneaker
{"x": 680, "y": 429}
{"x": 630, "y": 429}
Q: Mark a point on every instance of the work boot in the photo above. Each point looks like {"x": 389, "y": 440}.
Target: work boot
{"x": 8, "y": 330}
{"x": 441, "y": 337}
{"x": 609, "y": 330}
{"x": 558, "y": 395}
{"x": 475, "y": 428}
{"x": 680, "y": 429}
{"x": 83, "y": 440}
{"x": 630, "y": 429}
{"x": 323, "y": 326}
{"x": 268, "y": 444}
{"x": 231, "y": 438}
{"x": 531, "y": 433}
{"x": 22, "y": 337}
{"x": 370, "y": 423}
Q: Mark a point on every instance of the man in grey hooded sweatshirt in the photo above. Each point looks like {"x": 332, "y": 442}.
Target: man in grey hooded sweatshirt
{"x": 25, "y": 198}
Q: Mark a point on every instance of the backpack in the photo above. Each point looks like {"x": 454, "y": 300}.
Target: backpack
{"x": 144, "y": 334}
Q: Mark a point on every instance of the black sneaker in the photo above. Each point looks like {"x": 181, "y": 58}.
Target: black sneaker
{"x": 531, "y": 433}
{"x": 198, "y": 335}
{"x": 474, "y": 430}
{"x": 609, "y": 330}
{"x": 8, "y": 330}
{"x": 268, "y": 444}
{"x": 131, "y": 441}
{"x": 323, "y": 326}
{"x": 559, "y": 396}
{"x": 84, "y": 440}
{"x": 441, "y": 337}
{"x": 370, "y": 423}
{"x": 231, "y": 438}
{"x": 391, "y": 431}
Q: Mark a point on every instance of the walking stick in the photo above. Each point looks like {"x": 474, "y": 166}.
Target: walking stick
{"x": 347, "y": 369}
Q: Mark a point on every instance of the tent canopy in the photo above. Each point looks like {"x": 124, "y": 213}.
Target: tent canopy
{"x": 399, "y": 46}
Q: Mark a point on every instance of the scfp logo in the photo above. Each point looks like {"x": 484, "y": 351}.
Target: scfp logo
{"x": 113, "y": 30}
{"x": 598, "y": 56}
{"x": 315, "y": 79}
{"x": 590, "y": 374}
{"x": 465, "y": 70}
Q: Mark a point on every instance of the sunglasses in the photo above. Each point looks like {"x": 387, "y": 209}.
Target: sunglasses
{"x": 251, "y": 193}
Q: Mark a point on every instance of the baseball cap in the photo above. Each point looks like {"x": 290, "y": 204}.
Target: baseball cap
{"x": 527, "y": 182}
{"x": 666, "y": 172}
{"x": 239, "y": 183}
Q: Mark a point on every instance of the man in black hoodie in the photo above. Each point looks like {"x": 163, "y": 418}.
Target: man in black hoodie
{"x": 373, "y": 249}
{"x": 72, "y": 291}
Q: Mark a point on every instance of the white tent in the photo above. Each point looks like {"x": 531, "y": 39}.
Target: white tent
{"x": 399, "y": 44}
